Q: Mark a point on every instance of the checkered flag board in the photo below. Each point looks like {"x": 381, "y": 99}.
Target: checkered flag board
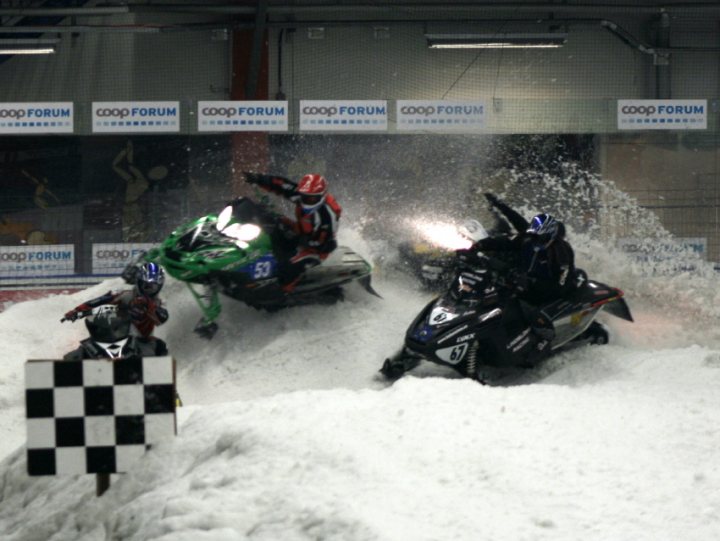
{"x": 96, "y": 416}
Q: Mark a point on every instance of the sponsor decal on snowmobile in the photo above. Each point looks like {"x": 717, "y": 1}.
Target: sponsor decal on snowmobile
{"x": 466, "y": 337}
{"x": 456, "y": 331}
{"x": 517, "y": 339}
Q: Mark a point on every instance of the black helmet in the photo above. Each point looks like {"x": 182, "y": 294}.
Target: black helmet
{"x": 150, "y": 279}
{"x": 544, "y": 229}
{"x": 108, "y": 323}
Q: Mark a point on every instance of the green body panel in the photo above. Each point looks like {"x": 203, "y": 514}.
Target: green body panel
{"x": 218, "y": 253}
{"x": 241, "y": 262}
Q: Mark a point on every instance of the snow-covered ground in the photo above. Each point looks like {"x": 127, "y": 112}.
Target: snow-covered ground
{"x": 287, "y": 434}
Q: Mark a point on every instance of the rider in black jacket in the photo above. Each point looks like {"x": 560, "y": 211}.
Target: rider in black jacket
{"x": 543, "y": 264}
{"x": 542, "y": 254}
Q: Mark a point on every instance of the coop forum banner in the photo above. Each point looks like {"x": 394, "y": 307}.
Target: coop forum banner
{"x": 36, "y": 117}
{"x": 662, "y": 114}
{"x": 440, "y": 115}
{"x": 30, "y": 261}
{"x": 214, "y": 116}
{"x": 353, "y": 115}
{"x": 112, "y": 258}
{"x": 135, "y": 116}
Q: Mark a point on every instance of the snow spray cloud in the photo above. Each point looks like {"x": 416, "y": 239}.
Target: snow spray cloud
{"x": 382, "y": 181}
{"x": 389, "y": 186}
{"x": 600, "y": 218}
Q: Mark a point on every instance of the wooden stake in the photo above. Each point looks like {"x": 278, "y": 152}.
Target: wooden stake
{"x": 102, "y": 483}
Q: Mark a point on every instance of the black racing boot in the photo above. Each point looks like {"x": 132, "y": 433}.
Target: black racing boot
{"x": 544, "y": 331}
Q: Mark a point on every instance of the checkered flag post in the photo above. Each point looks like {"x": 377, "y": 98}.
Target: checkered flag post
{"x": 96, "y": 416}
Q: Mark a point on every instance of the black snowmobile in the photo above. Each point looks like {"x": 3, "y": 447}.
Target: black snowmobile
{"x": 110, "y": 338}
{"x": 109, "y": 326}
{"x": 483, "y": 333}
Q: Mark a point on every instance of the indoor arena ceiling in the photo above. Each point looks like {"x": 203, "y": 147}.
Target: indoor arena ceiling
{"x": 19, "y": 16}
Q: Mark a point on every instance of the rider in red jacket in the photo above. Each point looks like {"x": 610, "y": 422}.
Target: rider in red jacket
{"x": 316, "y": 221}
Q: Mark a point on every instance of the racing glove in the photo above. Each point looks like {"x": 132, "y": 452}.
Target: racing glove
{"x": 72, "y": 315}
{"x": 258, "y": 179}
{"x": 77, "y": 312}
{"x": 130, "y": 274}
{"x": 252, "y": 178}
{"x": 161, "y": 314}
{"x": 492, "y": 198}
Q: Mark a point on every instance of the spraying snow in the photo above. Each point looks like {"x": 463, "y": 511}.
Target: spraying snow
{"x": 288, "y": 434}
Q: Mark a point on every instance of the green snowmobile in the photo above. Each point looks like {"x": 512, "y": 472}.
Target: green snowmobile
{"x": 236, "y": 253}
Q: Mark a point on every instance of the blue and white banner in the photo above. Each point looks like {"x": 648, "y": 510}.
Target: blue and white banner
{"x": 351, "y": 115}
{"x": 36, "y": 117}
{"x": 112, "y": 258}
{"x": 440, "y": 115}
{"x": 662, "y": 114}
{"x": 135, "y": 116}
{"x": 242, "y": 116}
{"x": 29, "y": 261}
{"x": 679, "y": 255}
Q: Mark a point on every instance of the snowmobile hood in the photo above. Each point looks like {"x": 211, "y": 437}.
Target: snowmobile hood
{"x": 198, "y": 248}
{"x": 438, "y": 319}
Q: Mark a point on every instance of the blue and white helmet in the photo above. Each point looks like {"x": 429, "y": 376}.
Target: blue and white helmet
{"x": 150, "y": 279}
{"x": 544, "y": 228}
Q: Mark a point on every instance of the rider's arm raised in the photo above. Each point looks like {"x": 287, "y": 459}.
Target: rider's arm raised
{"x": 273, "y": 183}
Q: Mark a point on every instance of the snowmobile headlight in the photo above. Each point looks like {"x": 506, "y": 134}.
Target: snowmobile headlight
{"x": 489, "y": 315}
{"x": 224, "y": 218}
{"x": 242, "y": 233}
{"x": 442, "y": 235}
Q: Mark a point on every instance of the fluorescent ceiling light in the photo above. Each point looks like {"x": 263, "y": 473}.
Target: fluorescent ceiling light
{"x": 28, "y": 45}
{"x": 496, "y": 41}
{"x": 28, "y": 41}
{"x": 26, "y": 50}
{"x": 493, "y": 45}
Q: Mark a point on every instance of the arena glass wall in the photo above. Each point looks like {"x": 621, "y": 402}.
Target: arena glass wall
{"x": 546, "y": 108}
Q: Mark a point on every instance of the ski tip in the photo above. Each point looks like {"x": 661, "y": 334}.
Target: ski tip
{"x": 365, "y": 281}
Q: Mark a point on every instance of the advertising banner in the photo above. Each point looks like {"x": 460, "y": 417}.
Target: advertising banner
{"x": 36, "y": 117}
{"x": 217, "y": 116}
{"x": 135, "y": 116}
{"x": 440, "y": 115}
{"x": 112, "y": 258}
{"x": 30, "y": 261}
{"x": 680, "y": 254}
{"x": 351, "y": 115}
{"x": 662, "y": 114}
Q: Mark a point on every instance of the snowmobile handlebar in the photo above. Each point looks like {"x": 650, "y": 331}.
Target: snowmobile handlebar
{"x": 73, "y": 315}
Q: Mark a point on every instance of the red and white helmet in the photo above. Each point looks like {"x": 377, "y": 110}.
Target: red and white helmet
{"x": 313, "y": 190}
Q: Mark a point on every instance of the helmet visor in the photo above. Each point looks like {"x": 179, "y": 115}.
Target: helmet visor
{"x": 536, "y": 225}
{"x": 310, "y": 200}
{"x": 150, "y": 288}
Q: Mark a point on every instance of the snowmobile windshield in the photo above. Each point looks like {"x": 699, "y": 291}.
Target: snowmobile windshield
{"x": 473, "y": 230}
